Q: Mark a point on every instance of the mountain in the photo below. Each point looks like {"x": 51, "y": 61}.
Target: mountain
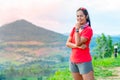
{"x": 23, "y": 42}
{"x": 22, "y": 30}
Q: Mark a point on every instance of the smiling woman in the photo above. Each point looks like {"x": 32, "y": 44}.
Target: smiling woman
{"x": 78, "y": 41}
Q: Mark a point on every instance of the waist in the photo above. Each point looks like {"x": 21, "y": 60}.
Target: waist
{"x": 80, "y": 55}
{"x": 79, "y": 50}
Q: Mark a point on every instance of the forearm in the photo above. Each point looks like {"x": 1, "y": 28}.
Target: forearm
{"x": 77, "y": 39}
{"x": 78, "y": 42}
{"x": 71, "y": 45}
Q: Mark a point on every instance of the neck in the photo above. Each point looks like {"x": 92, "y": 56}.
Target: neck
{"x": 85, "y": 25}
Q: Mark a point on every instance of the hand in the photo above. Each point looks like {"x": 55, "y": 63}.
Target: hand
{"x": 83, "y": 46}
{"x": 77, "y": 25}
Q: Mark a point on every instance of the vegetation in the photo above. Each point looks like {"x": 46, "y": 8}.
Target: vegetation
{"x": 104, "y": 47}
{"x": 102, "y": 61}
{"x": 34, "y": 72}
{"x": 101, "y": 69}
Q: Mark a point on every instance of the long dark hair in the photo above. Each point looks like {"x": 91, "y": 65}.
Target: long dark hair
{"x": 86, "y": 14}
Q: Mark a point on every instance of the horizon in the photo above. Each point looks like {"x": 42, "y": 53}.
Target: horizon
{"x": 66, "y": 33}
{"x": 59, "y": 17}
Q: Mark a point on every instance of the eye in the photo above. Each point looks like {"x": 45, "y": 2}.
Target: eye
{"x": 78, "y": 16}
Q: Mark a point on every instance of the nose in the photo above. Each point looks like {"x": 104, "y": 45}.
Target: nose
{"x": 79, "y": 18}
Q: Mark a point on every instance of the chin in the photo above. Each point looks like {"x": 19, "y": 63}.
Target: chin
{"x": 82, "y": 23}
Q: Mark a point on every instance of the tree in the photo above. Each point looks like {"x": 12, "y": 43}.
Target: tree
{"x": 104, "y": 46}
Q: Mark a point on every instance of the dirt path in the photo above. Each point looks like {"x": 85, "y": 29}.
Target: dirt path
{"x": 116, "y": 73}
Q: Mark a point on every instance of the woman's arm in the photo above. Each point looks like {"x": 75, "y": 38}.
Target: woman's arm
{"x": 79, "y": 40}
{"x": 72, "y": 45}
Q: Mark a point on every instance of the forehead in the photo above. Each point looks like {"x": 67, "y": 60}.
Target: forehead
{"x": 79, "y": 12}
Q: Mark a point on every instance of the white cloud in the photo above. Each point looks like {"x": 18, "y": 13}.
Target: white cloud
{"x": 95, "y": 5}
{"x": 26, "y": 9}
{"x": 105, "y": 5}
{"x": 60, "y": 15}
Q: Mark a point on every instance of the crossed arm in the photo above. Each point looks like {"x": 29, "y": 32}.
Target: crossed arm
{"x": 79, "y": 42}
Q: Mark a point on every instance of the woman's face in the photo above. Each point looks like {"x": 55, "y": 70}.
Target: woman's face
{"x": 81, "y": 18}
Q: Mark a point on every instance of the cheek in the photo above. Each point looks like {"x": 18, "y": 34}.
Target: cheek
{"x": 84, "y": 19}
{"x": 78, "y": 19}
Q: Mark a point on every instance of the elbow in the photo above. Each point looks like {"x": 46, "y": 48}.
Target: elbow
{"x": 67, "y": 44}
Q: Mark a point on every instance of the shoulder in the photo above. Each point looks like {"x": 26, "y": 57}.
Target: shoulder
{"x": 88, "y": 28}
{"x": 73, "y": 28}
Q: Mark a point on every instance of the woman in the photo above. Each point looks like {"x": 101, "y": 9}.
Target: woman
{"x": 78, "y": 41}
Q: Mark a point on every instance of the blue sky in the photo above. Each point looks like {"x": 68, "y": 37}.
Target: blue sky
{"x": 60, "y": 15}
